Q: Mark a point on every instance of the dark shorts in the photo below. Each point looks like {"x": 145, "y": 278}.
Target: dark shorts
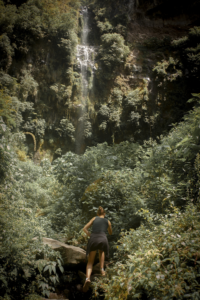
{"x": 98, "y": 241}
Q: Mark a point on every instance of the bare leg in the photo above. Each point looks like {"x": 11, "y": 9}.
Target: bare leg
{"x": 89, "y": 270}
{"x": 101, "y": 260}
{"x": 90, "y": 264}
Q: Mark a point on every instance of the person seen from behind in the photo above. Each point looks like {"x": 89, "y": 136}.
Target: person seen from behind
{"x": 98, "y": 241}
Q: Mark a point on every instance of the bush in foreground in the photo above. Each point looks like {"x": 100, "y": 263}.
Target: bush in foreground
{"x": 160, "y": 259}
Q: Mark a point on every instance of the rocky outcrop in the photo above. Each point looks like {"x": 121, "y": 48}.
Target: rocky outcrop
{"x": 63, "y": 296}
{"x": 161, "y": 13}
{"x": 70, "y": 254}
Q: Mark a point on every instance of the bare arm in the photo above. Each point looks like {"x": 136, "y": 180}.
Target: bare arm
{"x": 109, "y": 228}
{"x": 88, "y": 225}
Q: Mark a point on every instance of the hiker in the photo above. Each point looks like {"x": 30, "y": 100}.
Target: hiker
{"x": 98, "y": 241}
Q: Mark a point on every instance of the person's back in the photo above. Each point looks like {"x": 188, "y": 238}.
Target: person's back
{"x": 100, "y": 225}
{"x": 98, "y": 241}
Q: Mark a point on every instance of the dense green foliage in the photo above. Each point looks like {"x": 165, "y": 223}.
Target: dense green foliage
{"x": 126, "y": 179}
{"x": 160, "y": 259}
{"x": 148, "y": 182}
{"x": 154, "y": 176}
{"x": 106, "y": 181}
{"x": 34, "y": 75}
{"x": 144, "y": 93}
{"x": 23, "y": 267}
{"x": 155, "y": 84}
{"x": 112, "y": 51}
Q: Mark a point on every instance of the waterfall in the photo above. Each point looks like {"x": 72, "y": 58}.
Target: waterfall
{"x": 85, "y": 56}
{"x": 85, "y": 61}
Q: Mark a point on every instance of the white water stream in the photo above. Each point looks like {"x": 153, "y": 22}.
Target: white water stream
{"x": 85, "y": 60}
{"x": 85, "y": 56}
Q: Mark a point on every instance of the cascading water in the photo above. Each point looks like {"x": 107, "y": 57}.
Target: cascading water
{"x": 85, "y": 56}
{"x": 85, "y": 60}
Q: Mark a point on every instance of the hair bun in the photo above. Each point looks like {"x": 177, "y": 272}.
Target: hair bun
{"x": 100, "y": 211}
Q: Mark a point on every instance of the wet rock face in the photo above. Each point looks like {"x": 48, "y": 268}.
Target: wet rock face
{"x": 160, "y": 13}
{"x": 15, "y": 2}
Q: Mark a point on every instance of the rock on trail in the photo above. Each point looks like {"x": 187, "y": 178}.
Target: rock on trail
{"x": 70, "y": 254}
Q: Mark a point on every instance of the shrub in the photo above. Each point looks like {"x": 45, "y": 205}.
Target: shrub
{"x": 104, "y": 112}
{"x": 28, "y": 85}
{"x": 189, "y": 52}
{"x": 35, "y": 126}
{"x": 66, "y": 129}
{"x": 117, "y": 95}
{"x": 86, "y": 126}
{"x": 6, "y": 108}
{"x": 113, "y": 51}
{"x": 7, "y": 51}
{"x": 24, "y": 185}
{"x": 167, "y": 69}
{"x": 105, "y": 27}
{"x": 160, "y": 259}
{"x": 77, "y": 173}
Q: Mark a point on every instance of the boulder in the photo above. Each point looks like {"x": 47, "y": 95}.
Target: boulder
{"x": 96, "y": 268}
{"x": 82, "y": 276}
{"x": 70, "y": 254}
{"x": 66, "y": 293}
{"x": 54, "y": 296}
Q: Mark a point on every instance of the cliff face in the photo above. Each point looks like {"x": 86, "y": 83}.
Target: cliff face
{"x": 165, "y": 12}
{"x": 139, "y": 83}
{"x": 141, "y": 97}
{"x": 174, "y": 18}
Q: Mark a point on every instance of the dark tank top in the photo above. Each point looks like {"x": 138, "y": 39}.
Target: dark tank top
{"x": 99, "y": 225}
